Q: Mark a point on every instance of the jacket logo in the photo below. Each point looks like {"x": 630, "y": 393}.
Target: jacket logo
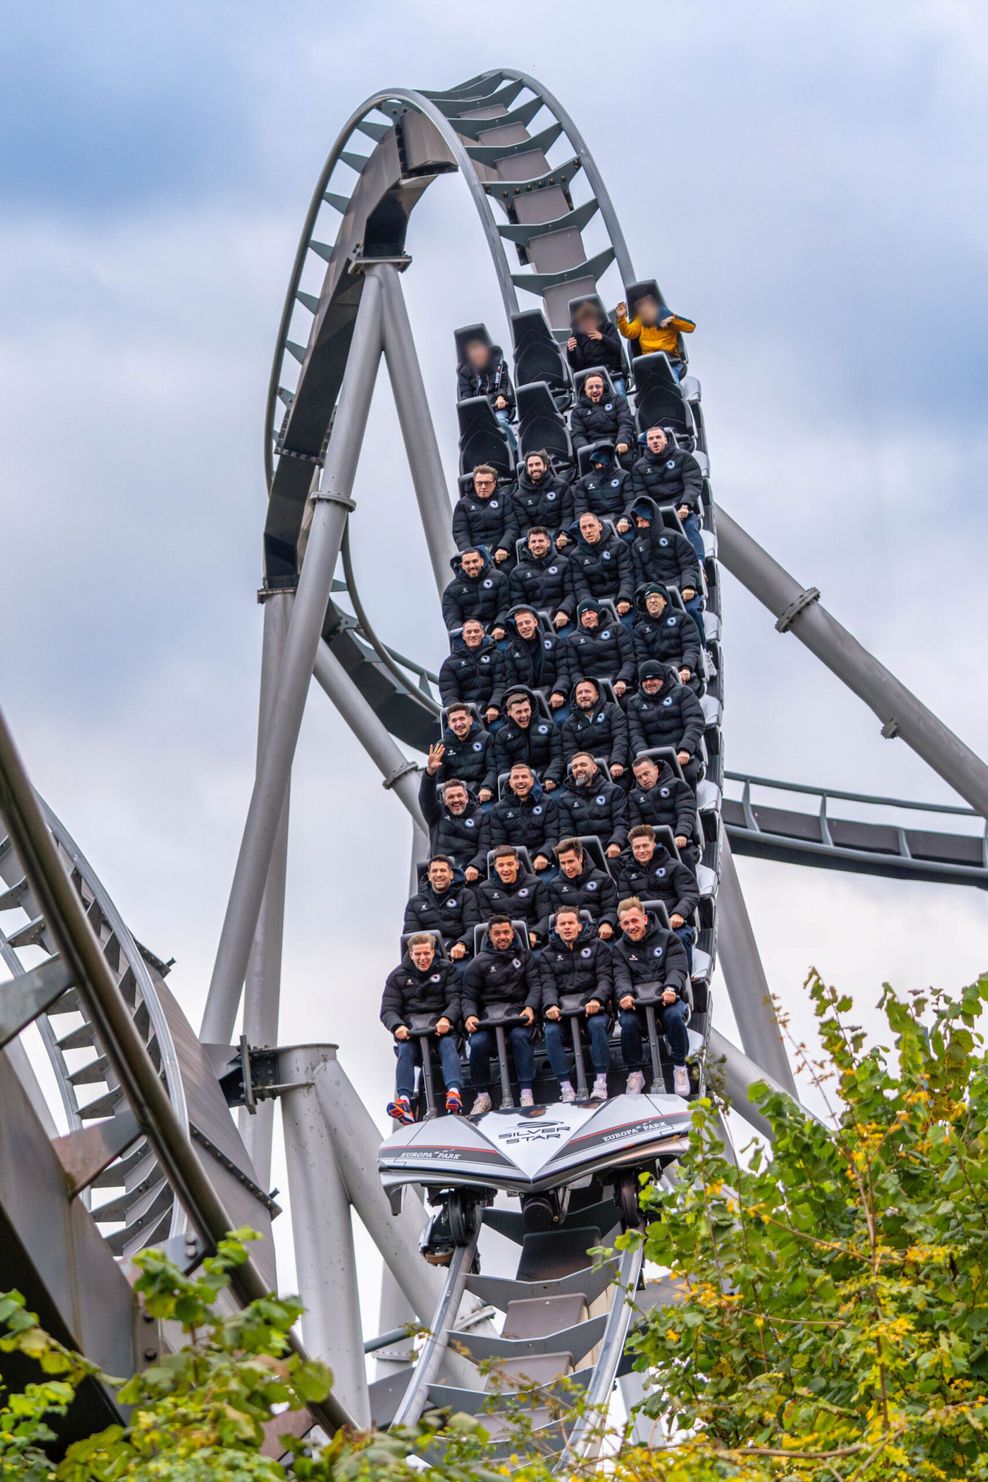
{"x": 663, "y": 792}
{"x": 551, "y": 494}
{"x": 601, "y": 718}
{"x": 656, "y": 951}
{"x": 523, "y": 891}
{"x": 667, "y": 700}
{"x": 600, "y": 800}
{"x": 670, "y": 463}
{"x": 553, "y": 570}
{"x": 488, "y": 582}
{"x": 536, "y": 810}
{"x": 547, "y": 643}
{"x": 485, "y": 658}
{"x": 492, "y": 504}
{"x": 661, "y": 872}
{"x": 606, "y": 556}
{"x": 663, "y": 540}
{"x": 670, "y": 622}
{"x": 451, "y": 904}
{"x": 516, "y": 962}
{"x": 435, "y": 977}
{"x": 608, "y": 406}
{"x": 543, "y": 730}
{"x": 606, "y": 633}
{"x": 469, "y": 823}
{"x": 478, "y": 746}
{"x": 615, "y": 483}
{"x": 585, "y": 951}
{"x": 591, "y": 884}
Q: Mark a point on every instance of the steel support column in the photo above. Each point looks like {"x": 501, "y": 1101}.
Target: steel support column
{"x": 739, "y": 1074}
{"x": 744, "y": 975}
{"x": 332, "y": 504}
{"x": 799, "y": 610}
{"x": 417, "y": 430}
{"x": 321, "y": 1230}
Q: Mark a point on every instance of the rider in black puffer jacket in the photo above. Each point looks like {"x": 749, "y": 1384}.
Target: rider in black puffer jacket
{"x": 473, "y": 673}
{"x": 541, "y": 497}
{"x": 669, "y": 716}
{"x": 599, "y": 418}
{"x": 600, "y": 647}
{"x": 667, "y": 633}
{"x": 532, "y": 659}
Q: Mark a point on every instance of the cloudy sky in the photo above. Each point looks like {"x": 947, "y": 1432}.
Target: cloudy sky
{"x": 807, "y": 182}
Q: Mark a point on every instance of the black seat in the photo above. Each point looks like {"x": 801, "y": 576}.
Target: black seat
{"x": 632, "y": 293}
{"x": 595, "y": 370}
{"x": 660, "y": 397}
{"x": 537, "y": 356}
{"x": 585, "y": 454}
{"x": 521, "y": 938}
{"x": 541, "y": 427}
{"x": 481, "y": 437}
{"x": 462, "y": 338}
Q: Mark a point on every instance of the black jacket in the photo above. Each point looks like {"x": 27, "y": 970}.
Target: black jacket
{"x": 606, "y": 652}
{"x": 407, "y": 992}
{"x": 454, "y": 915}
{"x": 593, "y": 890}
{"x": 672, "y": 638}
{"x": 509, "y": 977}
{"x": 526, "y": 900}
{"x": 674, "y": 477}
{"x": 487, "y": 522}
{"x": 473, "y": 675}
{"x": 539, "y": 745}
{"x": 599, "y": 808}
{"x": 493, "y": 381}
{"x": 470, "y": 760}
{"x": 535, "y": 663}
{"x": 604, "y": 494}
{"x": 465, "y": 836}
{"x": 659, "y": 957}
{"x": 544, "y": 583}
{"x": 602, "y": 571}
{"x": 548, "y": 503}
{"x": 663, "y": 879}
{"x": 485, "y": 598}
{"x": 609, "y": 420}
{"x": 604, "y": 354}
{"x": 659, "y": 553}
{"x": 583, "y": 968}
{"x": 603, "y": 731}
{"x": 672, "y": 717}
{"x": 531, "y": 823}
{"x": 671, "y": 803}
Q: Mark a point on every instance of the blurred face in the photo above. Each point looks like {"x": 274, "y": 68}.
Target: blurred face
{"x": 502, "y": 935}
{"x": 586, "y": 319}
{"x": 473, "y": 633}
{"x": 655, "y": 604}
{"x": 583, "y": 767}
{"x": 589, "y": 619}
{"x": 571, "y": 864}
{"x": 440, "y": 875}
{"x": 643, "y": 849}
{"x": 586, "y": 695}
{"x": 507, "y": 869}
{"x": 535, "y": 468}
{"x": 646, "y": 774}
{"x": 521, "y": 781}
{"x": 484, "y": 484}
{"x": 460, "y": 722}
{"x": 655, "y": 440}
{"x": 634, "y": 923}
{"x": 538, "y": 545}
{"x": 476, "y": 352}
{"x": 520, "y": 711}
{"x": 590, "y": 528}
{"x": 593, "y": 386}
{"x": 455, "y": 798}
{"x": 422, "y": 954}
{"x": 472, "y": 563}
{"x": 568, "y": 925}
{"x": 647, "y": 309}
{"x": 526, "y": 623}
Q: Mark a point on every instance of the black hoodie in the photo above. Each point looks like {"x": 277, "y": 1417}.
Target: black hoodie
{"x": 493, "y": 381}
{"x": 604, "y": 652}
{"x": 660, "y": 553}
{"x": 672, "y": 638}
{"x": 408, "y": 991}
{"x": 484, "y": 596}
{"x": 602, "y": 730}
{"x": 530, "y": 823}
{"x": 538, "y": 744}
{"x": 525, "y": 900}
{"x": 591, "y": 890}
{"x": 471, "y": 760}
{"x": 582, "y": 967}
{"x": 603, "y": 492}
{"x": 601, "y": 570}
{"x": 671, "y": 717}
{"x": 548, "y": 502}
{"x": 664, "y": 878}
{"x": 465, "y": 836}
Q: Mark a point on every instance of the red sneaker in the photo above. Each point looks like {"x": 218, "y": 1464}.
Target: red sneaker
{"x": 454, "y": 1102}
{"x": 400, "y": 1110}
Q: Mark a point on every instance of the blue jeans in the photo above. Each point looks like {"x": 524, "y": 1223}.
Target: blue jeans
{"x": 483, "y": 1046}
{"x": 558, "y": 1040}
{"x": 691, "y": 529}
{"x": 677, "y": 367}
{"x": 670, "y": 1020}
{"x": 687, "y": 936}
{"x": 695, "y": 609}
{"x": 620, "y": 385}
{"x": 408, "y": 1053}
{"x": 504, "y": 418}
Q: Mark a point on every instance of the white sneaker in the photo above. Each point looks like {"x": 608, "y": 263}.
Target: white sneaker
{"x": 481, "y": 1103}
{"x": 636, "y": 1084}
{"x": 566, "y": 1092}
{"x": 599, "y": 1092}
{"x": 681, "y": 1080}
{"x": 526, "y": 1099}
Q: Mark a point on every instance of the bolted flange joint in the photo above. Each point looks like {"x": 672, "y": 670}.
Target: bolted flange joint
{"x": 786, "y": 619}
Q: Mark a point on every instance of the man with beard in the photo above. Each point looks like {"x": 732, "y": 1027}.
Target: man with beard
{"x": 458, "y": 827}
{"x": 665, "y": 633}
{"x": 543, "y": 578}
{"x": 597, "y": 416}
{"x": 592, "y": 805}
{"x": 666, "y": 713}
{"x": 670, "y": 475}
{"x": 541, "y": 497}
{"x": 596, "y": 725}
{"x": 477, "y": 590}
{"x": 599, "y": 647}
{"x": 484, "y": 516}
{"x": 445, "y": 904}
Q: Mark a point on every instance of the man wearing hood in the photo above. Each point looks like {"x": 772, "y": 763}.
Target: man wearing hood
{"x": 473, "y": 674}
{"x": 422, "y": 987}
{"x": 601, "y": 564}
{"x": 444, "y": 903}
{"x": 477, "y": 590}
{"x": 483, "y": 371}
{"x": 531, "y": 658}
{"x": 591, "y": 804}
{"x": 652, "y": 873}
{"x": 515, "y": 892}
{"x": 597, "y": 416}
{"x": 576, "y": 966}
{"x": 665, "y": 633}
{"x": 541, "y": 497}
{"x": 466, "y": 751}
{"x": 596, "y": 725}
{"x": 543, "y": 578}
{"x": 671, "y": 475}
{"x": 526, "y": 817}
{"x": 594, "y": 342}
{"x": 503, "y": 973}
{"x": 485, "y": 516}
{"x": 583, "y": 886}
{"x": 664, "y": 800}
{"x": 458, "y": 827}
{"x": 604, "y": 490}
{"x": 660, "y": 554}
{"x": 665, "y": 712}
{"x": 647, "y": 955}
{"x": 599, "y": 647}
{"x": 526, "y": 737}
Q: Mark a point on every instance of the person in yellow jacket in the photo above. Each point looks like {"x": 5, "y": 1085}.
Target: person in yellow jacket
{"x": 656, "y": 328}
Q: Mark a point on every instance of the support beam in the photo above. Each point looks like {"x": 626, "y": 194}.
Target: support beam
{"x": 740, "y": 1074}
{"x": 799, "y": 610}
{"x": 744, "y": 975}
{"x": 331, "y": 506}
{"x": 419, "y": 435}
{"x": 322, "y": 1231}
